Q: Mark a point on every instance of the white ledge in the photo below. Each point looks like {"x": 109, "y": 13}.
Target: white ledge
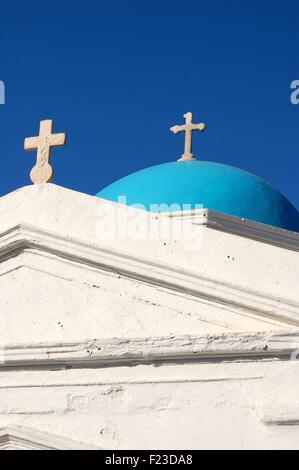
{"x": 183, "y": 348}
{"x": 281, "y": 421}
{"x": 242, "y": 227}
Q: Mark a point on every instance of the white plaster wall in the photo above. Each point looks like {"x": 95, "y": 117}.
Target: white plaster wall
{"x": 59, "y": 291}
{"x": 223, "y": 256}
{"x": 44, "y": 295}
{"x": 46, "y": 298}
{"x": 258, "y": 266}
{"x": 175, "y": 406}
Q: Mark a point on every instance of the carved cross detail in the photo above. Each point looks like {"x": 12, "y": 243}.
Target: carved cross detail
{"x": 42, "y": 172}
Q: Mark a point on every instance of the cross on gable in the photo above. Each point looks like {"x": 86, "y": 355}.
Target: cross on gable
{"x": 42, "y": 172}
{"x": 188, "y": 128}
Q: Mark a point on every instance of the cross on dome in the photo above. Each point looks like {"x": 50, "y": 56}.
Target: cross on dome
{"x": 188, "y": 128}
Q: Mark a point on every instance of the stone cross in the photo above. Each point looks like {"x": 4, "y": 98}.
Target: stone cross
{"x": 188, "y": 127}
{"x": 42, "y": 172}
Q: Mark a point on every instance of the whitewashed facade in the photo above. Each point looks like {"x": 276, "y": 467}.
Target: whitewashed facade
{"x": 116, "y": 341}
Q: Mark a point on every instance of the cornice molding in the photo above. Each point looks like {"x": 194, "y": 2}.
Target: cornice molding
{"x": 242, "y": 227}
{"x": 24, "y": 237}
{"x": 136, "y": 350}
{"x": 282, "y": 421}
{"x": 22, "y": 438}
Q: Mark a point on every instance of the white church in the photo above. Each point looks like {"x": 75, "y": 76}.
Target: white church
{"x": 162, "y": 313}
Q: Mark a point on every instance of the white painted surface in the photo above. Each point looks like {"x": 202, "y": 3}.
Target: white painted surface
{"x": 238, "y": 404}
{"x": 144, "y": 343}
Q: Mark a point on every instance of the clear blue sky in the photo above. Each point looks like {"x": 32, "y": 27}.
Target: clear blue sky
{"x": 115, "y": 75}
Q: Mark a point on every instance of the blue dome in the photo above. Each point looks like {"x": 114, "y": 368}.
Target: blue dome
{"x": 221, "y": 188}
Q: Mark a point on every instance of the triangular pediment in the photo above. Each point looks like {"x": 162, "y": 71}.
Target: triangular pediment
{"x": 42, "y": 269}
{"x": 62, "y": 281}
{"x": 21, "y": 438}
